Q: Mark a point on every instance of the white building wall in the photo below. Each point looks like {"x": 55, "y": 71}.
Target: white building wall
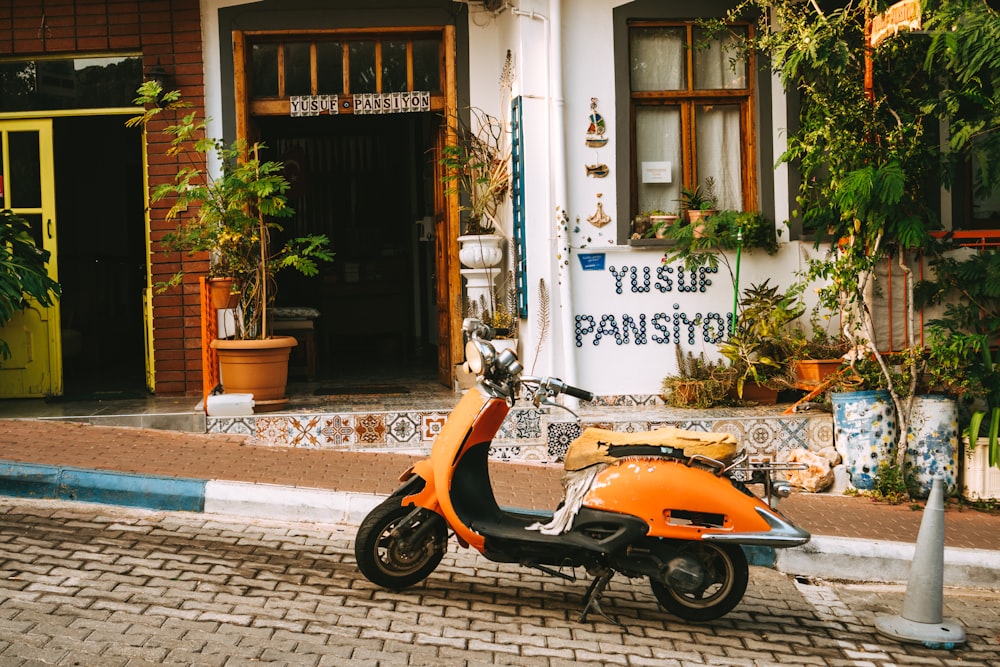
{"x": 608, "y": 333}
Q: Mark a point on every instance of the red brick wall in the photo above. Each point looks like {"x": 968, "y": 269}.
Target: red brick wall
{"x": 167, "y": 32}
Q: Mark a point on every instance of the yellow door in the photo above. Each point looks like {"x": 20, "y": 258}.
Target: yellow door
{"x": 27, "y": 187}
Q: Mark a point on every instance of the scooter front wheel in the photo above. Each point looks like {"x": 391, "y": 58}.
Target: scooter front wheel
{"x": 703, "y": 581}
{"x": 397, "y": 547}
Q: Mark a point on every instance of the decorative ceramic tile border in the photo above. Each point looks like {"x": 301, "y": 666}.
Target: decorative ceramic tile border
{"x": 528, "y": 433}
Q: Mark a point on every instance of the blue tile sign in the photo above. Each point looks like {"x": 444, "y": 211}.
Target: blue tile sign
{"x": 592, "y": 261}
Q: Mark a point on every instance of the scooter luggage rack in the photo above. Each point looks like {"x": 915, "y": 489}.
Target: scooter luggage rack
{"x": 759, "y": 472}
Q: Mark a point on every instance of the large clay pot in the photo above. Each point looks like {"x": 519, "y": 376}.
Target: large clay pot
{"x": 258, "y": 367}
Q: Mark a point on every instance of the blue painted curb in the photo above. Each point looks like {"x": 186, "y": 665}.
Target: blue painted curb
{"x": 29, "y": 480}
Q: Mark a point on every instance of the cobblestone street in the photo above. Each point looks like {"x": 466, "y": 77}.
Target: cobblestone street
{"x": 96, "y": 585}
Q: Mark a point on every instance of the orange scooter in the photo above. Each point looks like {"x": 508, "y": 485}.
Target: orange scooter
{"x": 668, "y": 504}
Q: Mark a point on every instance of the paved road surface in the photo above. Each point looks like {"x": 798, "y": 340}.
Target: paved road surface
{"x": 97, "y": 585}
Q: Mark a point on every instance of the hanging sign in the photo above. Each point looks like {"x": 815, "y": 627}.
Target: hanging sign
{"x": 904, "y": 15}
{"x": 374, "y": 103}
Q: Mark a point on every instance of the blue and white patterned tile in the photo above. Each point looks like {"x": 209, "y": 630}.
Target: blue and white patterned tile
{"x": 402, "y": 429}
{"x": 631, "y": 426}
{"x": 820, "y": 432}
{"x": 231, "y": 425}
{"x": 527, "y": 423}
{"x": 734, "y": 427}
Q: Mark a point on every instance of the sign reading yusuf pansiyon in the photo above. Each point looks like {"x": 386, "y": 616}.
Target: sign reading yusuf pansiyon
{"x": 904, "y": 15}
{"x": 362, "y": 103}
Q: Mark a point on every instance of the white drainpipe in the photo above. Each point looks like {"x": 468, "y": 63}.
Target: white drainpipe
{"x": 557, "y": 177}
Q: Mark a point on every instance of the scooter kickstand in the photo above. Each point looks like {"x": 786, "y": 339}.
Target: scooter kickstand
{"x": 593, "y": 598}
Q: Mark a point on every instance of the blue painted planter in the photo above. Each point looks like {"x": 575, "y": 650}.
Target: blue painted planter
{"x": 932, "y": 444}
{"x": 864, "y": 424}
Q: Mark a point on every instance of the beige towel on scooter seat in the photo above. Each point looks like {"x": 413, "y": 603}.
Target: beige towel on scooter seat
{"x": 593, "y": 444}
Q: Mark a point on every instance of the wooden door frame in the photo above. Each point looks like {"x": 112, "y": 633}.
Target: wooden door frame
{"x": 448, "y": 293}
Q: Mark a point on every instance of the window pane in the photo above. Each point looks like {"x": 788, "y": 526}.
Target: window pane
{"x": 70, "y": 83}
{"x": 719, "y": 151}
{"x": 657, "y": 59}
{"x": 329, "y": 68}
{"x": 393, "y": 67}
{"x": 427, "y": 65}
{"x": 716, "y": 62}
{"x": 658, "y": 139}
{"x": 362, "y": 64}
{"x": 297, "y": 73}
{"x": 25, "y": 170}
{"x": 264, "y": 70}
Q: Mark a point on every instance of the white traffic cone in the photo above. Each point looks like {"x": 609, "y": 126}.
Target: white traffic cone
{"x": 921, "y": 620}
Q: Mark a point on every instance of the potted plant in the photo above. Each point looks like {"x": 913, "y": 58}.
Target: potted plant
{"x": 699, "y": 202}
{"x": 699, "y": 383}
{"x": 476, "y": 166}
{"x": 756, "y": 347}
{"x": 23, "y": 274}
{"x": 814, "y": 357}
{"x": 231, "y": 217}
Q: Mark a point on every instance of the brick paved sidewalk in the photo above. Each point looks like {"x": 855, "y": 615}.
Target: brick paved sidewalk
{"x": 230, "y": 458}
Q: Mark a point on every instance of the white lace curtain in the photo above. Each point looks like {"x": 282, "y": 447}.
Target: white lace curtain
{"x": 659, "y": 63}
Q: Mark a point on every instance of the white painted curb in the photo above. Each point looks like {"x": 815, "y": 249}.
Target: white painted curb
{"x": 287, "y": 503}
{"x": 854, "y": 559}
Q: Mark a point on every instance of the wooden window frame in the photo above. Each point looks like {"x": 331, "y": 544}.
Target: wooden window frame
{"x": 689, "y": 100}
{"x": 280, "y": 105}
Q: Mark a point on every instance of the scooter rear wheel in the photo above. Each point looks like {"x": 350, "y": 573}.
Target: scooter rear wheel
{"x": 715, "y": 587}
{"x": 391, "y": 561}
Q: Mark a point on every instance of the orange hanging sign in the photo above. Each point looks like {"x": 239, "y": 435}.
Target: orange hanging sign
{"x": 904, "y": 15}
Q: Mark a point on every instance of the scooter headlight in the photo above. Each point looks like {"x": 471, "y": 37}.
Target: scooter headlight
{"x": 480, "y": 355}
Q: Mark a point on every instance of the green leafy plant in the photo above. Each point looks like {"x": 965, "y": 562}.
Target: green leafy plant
{"x": 231, "y": 216}
{"x": 869, "y": 155}
{"x": 961, "y": 356}
{"x": 719, "y": 234}
{"x": 23, "y": 275}
{"x": 757, "y": 346}
{"x": 700, "y": 197}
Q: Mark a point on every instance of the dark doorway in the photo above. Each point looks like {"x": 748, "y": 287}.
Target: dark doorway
{"x": 367, "y": 183}
{"x": 101, "y": 255}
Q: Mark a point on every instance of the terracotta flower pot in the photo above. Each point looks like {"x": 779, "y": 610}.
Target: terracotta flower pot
{"x": 810, "y": 373}
{"x": 258, "y": 367}
{"x": 221, "y": 290}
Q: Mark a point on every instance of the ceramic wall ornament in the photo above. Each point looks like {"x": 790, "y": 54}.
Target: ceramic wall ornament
{"x": 597, "y": 170}
{"x": 596, "y": 129}
{"x": 599, "y": 218}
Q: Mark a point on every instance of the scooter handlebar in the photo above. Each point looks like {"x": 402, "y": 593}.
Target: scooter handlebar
{"x": 576, "y": 392}
{"x": 557, "y": 386}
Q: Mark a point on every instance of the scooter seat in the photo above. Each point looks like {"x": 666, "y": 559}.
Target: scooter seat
{"x": 598, "y": 445}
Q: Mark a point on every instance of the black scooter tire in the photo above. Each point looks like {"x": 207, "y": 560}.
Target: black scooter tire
{"x": 383, "y": 560}
{"x": 727, "y": 564}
